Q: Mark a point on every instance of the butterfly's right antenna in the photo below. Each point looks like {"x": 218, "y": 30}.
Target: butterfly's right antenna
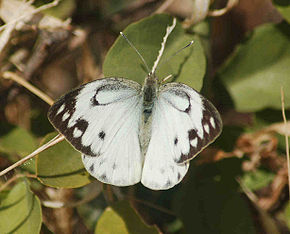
{"x": 177, "y": 52}
{"x": 141, "y": 57}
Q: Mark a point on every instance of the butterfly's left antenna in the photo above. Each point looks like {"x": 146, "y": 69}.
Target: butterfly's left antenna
{"x": 141, "y": 57}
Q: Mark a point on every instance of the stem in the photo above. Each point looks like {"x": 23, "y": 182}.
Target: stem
{"x": 30, "y": 87}
{"x": 286, "y": 136}
{"x": 30, "y": 13}
{"x": 52, "y": 142}
{"x": 17, "y": 176}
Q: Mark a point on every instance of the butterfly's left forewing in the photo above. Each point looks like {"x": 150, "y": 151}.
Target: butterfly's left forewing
{"x": 101, "y": 119}
{"x": 183, "y": 123}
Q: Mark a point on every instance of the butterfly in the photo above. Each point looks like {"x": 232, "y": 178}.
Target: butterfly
{"x": 129, "y": 133}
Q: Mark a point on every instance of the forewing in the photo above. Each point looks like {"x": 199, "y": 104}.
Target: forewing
{"x": 183, "y": 123}
{"x": 101, "y": 119}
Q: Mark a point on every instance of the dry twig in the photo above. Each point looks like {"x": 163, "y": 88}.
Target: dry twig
{"x": 52, "y": 142}
{"x": 286, "y": 136}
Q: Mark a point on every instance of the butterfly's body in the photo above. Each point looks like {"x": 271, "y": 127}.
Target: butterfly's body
{"x": 148, "y": 92}
{"x": 129, "y": 133}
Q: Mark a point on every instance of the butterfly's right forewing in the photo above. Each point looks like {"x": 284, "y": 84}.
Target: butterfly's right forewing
{"x": 183, "y": 124}
{"x": 101, "y": 119}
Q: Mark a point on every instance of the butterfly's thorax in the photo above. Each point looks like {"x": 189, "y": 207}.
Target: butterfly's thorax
{"x": 149, "y": 92}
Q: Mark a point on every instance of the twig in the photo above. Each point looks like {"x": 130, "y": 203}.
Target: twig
{"x": 5, "y": 36}
{"x": 149, "y": 204}
{"x": 247, "y": 191}
{"x": 30, "y": 87}
{"x": 108, "y": 193}
{"x": 29, "y": 13}
{"x": 17, "y": 176}
{"x": 164, "y": 6}
{"x": 52, "y": 142}
{"x": 286, "y": 136}
{"x": 219, "y": 12}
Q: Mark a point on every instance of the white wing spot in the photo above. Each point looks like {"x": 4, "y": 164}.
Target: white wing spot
{"x": 193, "y": 142}
{"x": 212, "y": 122}
{"x": 77, "y": 133}
{"x": 65, "y": 116}
{"x": 60, "y": 109}
{"x": 206, "y": 128}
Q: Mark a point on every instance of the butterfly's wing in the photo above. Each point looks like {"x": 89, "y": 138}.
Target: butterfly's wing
{"x": 183, "y": 123}
{"x": 101, "y": 120}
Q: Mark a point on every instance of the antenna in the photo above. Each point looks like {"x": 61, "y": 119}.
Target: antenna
{"x": 141, "y": 57}
{"x": 177, "y": 52}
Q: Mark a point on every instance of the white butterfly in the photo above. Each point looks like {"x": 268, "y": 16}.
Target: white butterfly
{"x": 129, "y": 133}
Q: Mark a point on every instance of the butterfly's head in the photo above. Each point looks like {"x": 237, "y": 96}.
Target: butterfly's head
{"x": 151, "y": 80}
{"x": 149, "y": 89}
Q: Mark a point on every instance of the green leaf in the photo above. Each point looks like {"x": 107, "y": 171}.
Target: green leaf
{"x": 147, "y": 34}
{"x": 209, "y": 200}
{"x": 20, "y": 211}
{"x": 287, "y": 214}
{"x": 283, "y": 6}
{"x": 121, "y": 218}
{"x": 258, "y": 179}
{"x": 18, "y": 142}
{"x": 255, "y": 73}
{"x": 61, "y": 166}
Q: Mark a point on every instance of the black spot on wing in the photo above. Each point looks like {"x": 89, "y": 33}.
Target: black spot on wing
{"x": 168, "y": 184}
{"x": 103, "y": 178}
{"x": 92, "y": 168}
{"x": 192, "y": 134}
{"x": 209, "y": 111}
{"x": 82, "y": 125}
{"x": 175, "y": 141}
{"x": 102, "y": 135}
{"x": 69, "y": 102}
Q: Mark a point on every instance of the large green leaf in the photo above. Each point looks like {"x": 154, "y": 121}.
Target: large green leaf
{"x": 61, "y": 166}
{"x": 255, "y": 73}
{"x": 283, "y": 6}
{"x": 120, "y": 218}
{"x": 187, "y": 67}
{"x": 20, "y": 211}
{"x": 210, "y": 202}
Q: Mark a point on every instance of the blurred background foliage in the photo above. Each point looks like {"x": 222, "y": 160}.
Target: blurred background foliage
{"x": 240, "y": 60}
